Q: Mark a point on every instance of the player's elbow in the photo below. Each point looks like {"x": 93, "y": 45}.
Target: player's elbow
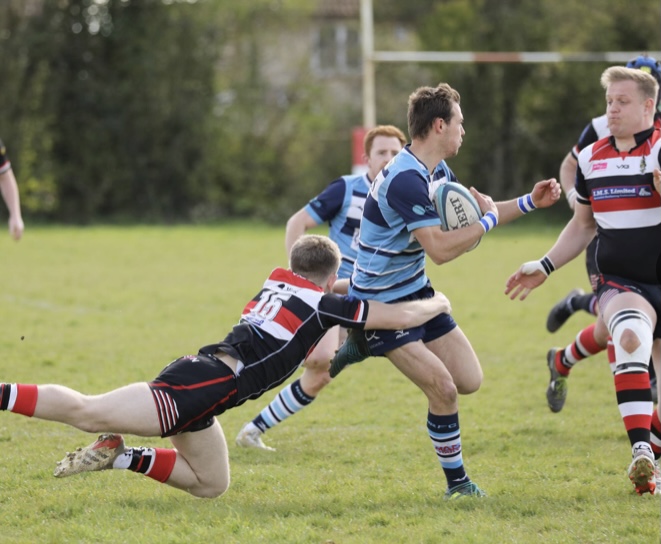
{"x": 438, "y": 259}
{"x": 299, "y": 222}
{"x": 441, "y": 257}
{"x": 292, "y": 225}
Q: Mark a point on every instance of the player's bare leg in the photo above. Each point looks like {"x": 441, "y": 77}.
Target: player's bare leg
{"x": 198, "y": 463}
{"x": 631, "y": 321}
{"x": 458, "y": 356}
{"x": 129, "y": 409}
{"x": 430, "y": 374}
{"x": 202, "y": 468}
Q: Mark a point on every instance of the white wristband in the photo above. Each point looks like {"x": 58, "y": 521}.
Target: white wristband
{"x": 544, "y": 265}
{"x": 571, "y": 196}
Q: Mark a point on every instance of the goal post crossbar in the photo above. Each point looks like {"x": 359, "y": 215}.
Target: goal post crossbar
{"x": 617, "y": 57}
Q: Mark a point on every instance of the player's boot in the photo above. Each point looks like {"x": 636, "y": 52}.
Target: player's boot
{"x": 556, "y": 392}
{"x": 468, "y": 489}
{"x": 97, "y": 456}
{"x": 251, "y": 437}
{"x": 354, "y": 350}
{"x": 562, "y": 311}
{"x": 643, "y": 472}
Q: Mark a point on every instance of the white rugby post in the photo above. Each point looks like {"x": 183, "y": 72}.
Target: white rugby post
{"x": 367, "y": 41}
{"x": 371, "y": 57}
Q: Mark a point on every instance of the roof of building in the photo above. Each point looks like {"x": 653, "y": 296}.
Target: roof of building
{"x": 338, "y": 8}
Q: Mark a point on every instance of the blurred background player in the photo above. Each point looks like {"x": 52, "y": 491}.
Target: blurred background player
{"x": 9, "y": 191}
{"x": 341, "y": 205}
{"x": 594, "y": 338}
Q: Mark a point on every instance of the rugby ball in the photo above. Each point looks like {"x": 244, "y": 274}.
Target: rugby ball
{"x": 456, "y": 207}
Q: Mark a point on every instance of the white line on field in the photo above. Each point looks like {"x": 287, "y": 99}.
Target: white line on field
{"x": 50, "y": 306}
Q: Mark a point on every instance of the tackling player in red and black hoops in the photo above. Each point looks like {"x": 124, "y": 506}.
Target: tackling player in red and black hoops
{"x": 616, "y": 198}
{"x": 278, "y": 328}
{"x": 341, "y": 205}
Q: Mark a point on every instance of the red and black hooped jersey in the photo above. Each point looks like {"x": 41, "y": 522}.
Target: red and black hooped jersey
{"x": 281, "y": 325}
{"x": 619, "y": 186}
{"x": 4, "y": 160}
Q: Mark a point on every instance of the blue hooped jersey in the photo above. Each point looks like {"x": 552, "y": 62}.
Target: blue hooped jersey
{"x": 391, "y": 262}
{"x": 341, "y": 205}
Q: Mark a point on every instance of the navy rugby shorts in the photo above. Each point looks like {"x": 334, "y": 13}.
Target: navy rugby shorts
{"x": 381, "y": 342}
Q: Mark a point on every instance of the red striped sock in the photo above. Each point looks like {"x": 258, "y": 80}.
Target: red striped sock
{"x": 634, "y": 399}
{"x": 18, "y": 398}
{"x": 582, "y": 347}
{"x": 156, "y": 463}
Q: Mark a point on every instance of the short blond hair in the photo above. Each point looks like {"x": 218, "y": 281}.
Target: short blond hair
{"x": 315, "y": 257}
{"x": 646, "y": 83}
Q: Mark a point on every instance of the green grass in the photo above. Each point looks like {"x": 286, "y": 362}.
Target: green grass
{"x": 101, "y": 307}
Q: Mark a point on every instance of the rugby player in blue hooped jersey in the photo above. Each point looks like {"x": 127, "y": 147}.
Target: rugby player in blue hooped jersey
{"x": 400, "y": 226}
{"x": 341, "y": 205}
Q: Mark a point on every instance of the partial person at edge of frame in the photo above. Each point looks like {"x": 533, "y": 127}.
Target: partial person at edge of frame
{"x": 9, "y": 191}
{"x": 622, "y": 207}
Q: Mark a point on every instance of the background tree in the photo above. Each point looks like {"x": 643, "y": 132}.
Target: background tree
{"x": 521, "y": 119}
{"x": 170, "y": 110}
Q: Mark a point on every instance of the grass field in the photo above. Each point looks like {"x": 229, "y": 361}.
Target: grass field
{"x": 96, "y": 308}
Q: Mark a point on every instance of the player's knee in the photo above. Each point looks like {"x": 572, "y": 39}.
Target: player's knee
{"x": 311, "y": 387}
{"x": 629, "y": 341}
{"x": 314, "y": 380}
{"x": 210, "y": 490}
{"x": 632, "y": 334}
{"x": 443, "y": 390}
{"x": 319, "y": 362}
{"x": 471, "y": 384}
{"x": 316, "y": 366}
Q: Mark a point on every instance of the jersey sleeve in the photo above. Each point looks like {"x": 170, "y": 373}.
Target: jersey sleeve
{"x": 408, "y": 195}
{"x": 587, "y": 137}
{"x": 327, "y": 204}
{"x": 582, "y": 196}
{"x": 349, "y": 312}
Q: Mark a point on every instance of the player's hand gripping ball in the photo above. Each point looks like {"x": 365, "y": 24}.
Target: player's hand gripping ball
{"x": 456, "y": 207}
